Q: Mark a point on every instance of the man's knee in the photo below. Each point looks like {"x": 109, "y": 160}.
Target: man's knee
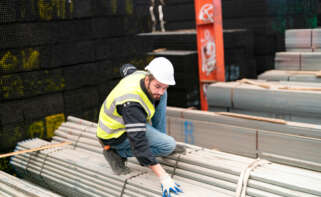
{"x": 171, "y": 144}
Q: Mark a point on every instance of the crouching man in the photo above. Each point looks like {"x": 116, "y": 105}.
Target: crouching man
{"x": 132, "y": 121}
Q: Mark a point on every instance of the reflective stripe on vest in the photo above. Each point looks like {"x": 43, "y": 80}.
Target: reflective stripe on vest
{"x": 121, "y": 98}
{"x": 111, "y": 124}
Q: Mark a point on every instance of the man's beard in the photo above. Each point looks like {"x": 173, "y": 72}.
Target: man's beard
{"x": 154, "y": 96}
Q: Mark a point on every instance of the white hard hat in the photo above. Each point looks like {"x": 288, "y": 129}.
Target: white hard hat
{"x": 162, "y": 69}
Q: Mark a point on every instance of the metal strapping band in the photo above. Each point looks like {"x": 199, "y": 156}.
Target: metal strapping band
{"x": 126, "y": 180}
{"x": 175, "y": 167}
{"x": 123, "y": 189}
{"x": 44, "y": 162}
{"x": 231, "y": 98}
{"x": 29, "y": 159}
{"x": 311, "y": 41}
{"x": 238, "y": 84}
{"x": 182, "y": 114}
{"x": 80, "y": 135}
{"x": 300, "y": 61}
{"x": 27, "y": 166}
{"x": 257, "y": 143}
{"x": 245, "y": 174}
{"x": 41, "y": 170}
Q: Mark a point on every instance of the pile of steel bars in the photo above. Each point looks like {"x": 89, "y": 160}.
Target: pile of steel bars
{"x": 299, "y": 76}
{"x": 204, "y": 167}
{"x": 307, "y": 40}
{"x": 286, "y": 142}
{"x": 307, "y": 61}
{"x": 11, "y": 186}
{"x": 295, "y": 101}
{"x": 72, "y": 171}
{"x": 301, "y": 60}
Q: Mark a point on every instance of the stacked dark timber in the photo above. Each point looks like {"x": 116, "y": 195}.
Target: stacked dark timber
{"x": 11, "y": 186}
{"x": 296, "y": 101}
{"x": 208, "y": 170}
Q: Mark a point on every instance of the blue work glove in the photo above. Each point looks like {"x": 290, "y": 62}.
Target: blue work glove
{"x": 168, "y": 186}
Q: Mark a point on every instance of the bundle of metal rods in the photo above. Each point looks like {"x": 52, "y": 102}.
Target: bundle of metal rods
{"x": 72, "y": 171}
{"x": 11, "y": 186}
{"x": 277, "y": 140}
{"x": 208, "y": 169}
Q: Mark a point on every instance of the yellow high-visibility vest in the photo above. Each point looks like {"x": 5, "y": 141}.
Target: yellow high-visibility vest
{"x": 111, "y": 124}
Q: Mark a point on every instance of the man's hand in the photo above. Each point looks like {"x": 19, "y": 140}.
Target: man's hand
{"x": 168, "y": 185}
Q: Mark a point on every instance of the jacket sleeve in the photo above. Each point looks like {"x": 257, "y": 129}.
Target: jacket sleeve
{"x": 127, "y": 69}
{"x": 134, "y": 118}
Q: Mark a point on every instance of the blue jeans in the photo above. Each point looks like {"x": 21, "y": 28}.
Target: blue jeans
{"x": 160, "y": 143}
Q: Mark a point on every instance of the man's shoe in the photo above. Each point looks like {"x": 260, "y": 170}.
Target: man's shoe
{"x": 179, "y": 149}
{"x": 117, "y": 163}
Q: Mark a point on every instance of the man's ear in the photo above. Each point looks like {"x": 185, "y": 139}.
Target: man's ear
{"x": 147, "y": 78}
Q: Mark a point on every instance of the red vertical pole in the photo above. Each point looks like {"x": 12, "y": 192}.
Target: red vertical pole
{"x": 210, "y": 45}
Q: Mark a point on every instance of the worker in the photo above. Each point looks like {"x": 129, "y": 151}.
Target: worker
{"x": 125, "y": 128}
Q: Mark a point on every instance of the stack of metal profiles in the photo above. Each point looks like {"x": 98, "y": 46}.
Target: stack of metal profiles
{"x": 11, "y": 186}
{"x": 303, "y": 40}
{"x": 280, "y": 141}
{"x": 200, "y": 171}
{"x": 301, "y": 61}
{"x": 75, "y": 130}
{"x": 316, "y": 40}
{"x": 283, "y": 75}
{"x": 73, "y": 171}
{"x": 270, "y": 139}
{"x": 307, "y": 61}
{"x": 236, "y": 135}
{"x": 295, "y": 101}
